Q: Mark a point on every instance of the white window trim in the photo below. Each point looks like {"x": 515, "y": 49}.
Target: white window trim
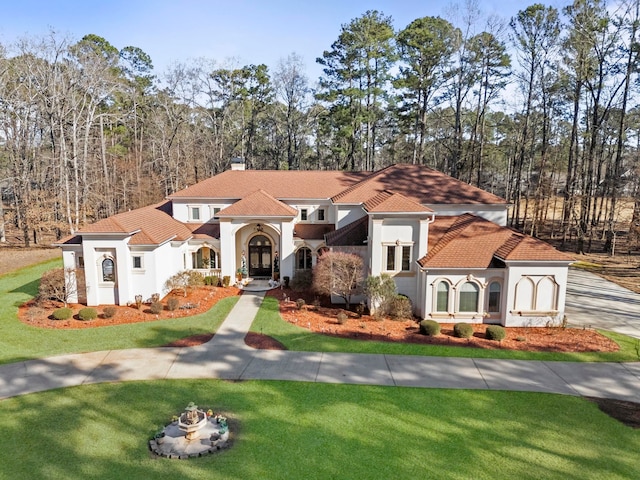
{"x": 139, "y": 269}
{"x": 191, "y": 209}
{"x": 306, "y": 213}
{"x": 324, "y": 214}
{"x": 398, "y": 256}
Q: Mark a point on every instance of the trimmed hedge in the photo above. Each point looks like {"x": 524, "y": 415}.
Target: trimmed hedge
{"x": 495, "y": 332}
{"x": 88, "y": 313}
{"x": 62, "y": 313}
{"x": 430, "y": 328}
{"x": 463, "y": 330}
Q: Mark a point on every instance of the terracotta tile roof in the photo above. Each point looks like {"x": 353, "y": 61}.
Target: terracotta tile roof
{"x": 354, "y": 233}
{"x": 148, "y": 226}
{"x": 313, "y": 231}
{"x": 258, "y": 204}
{"x": 421, "y": 184}
{"x": 278, "y": 183}
{"x": 204, "y": 230}
{"x": 69, "y": 240}
{"x": 469, "y": 241}
{"x": 390, "y": 202}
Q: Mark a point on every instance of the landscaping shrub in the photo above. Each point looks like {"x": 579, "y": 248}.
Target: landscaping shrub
{"x": 302, "y": 281}
{"x": 462, "y": 330}
{"x": 62, "y": 313}
{"x": 211, "y": 281}
{"x": 226, "y": 281}
{"x": 400, "y": 307}
{"x": 88, "y": 313}
{"x": 172, "y": 304}
{"x": 360, "y": 309}
{"x": 58, "y": 284}
{"x": 300, "y": 303}
{"x": 184, "y": 280}
{"x": 430, "y": 328}
{"x": 109, "y": 312}
{"x": 286, "y": 281}
{"x": 156, "y": 307}
{"x": 381, "y": 291}
{"x": 342, "y": 318}
{"x": 495, "y": 332}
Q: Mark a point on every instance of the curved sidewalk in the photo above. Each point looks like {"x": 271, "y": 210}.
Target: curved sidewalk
{"x": 226, "y": 356}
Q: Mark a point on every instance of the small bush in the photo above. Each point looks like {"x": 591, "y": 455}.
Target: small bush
{"x": 430, "y": 328}
{"x": 286, "y": 281}
{"x": 360, "y": 309}
{"x": 109, "y": 312}
{"x": 210, "y": 281}
{"x": 400, "y": 307}
{"x": 172, "y": 304}
{"x": 495, "y": 332}
{"x": 155, "y": 297}
{"x": 156, "y": 307}
{"x": 62, "y": 313}
{"x": 300, "y": 303}
{"x": 302, "y": 280}
{"x": 462, "y": 330}
{"x": 342, "y": 318}
{"x": 88, "y": 313}
{"x": 226, "y": 281}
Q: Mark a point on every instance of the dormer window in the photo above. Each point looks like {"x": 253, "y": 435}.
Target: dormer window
{"x": 304, "y": 214}
{"x": 194, "y": 213}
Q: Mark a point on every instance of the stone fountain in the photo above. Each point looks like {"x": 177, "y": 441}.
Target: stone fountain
{"x": 192, "y": 421}
{"x": 194, "y": 433}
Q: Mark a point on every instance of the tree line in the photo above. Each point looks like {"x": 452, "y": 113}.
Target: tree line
{"x": 541, "y": 109}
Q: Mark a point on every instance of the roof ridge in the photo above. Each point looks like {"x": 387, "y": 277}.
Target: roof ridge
{"x": 453, "y": 231}
{"x": 361, "y": 182}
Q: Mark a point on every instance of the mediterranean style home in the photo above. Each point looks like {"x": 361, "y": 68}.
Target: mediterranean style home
{"x": 443, "y": 241}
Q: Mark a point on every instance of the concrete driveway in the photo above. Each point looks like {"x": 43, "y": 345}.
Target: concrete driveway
{"x": 596, "y": 302}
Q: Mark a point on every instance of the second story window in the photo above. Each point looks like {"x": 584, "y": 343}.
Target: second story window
{"x": 304, "y": 214}
{"x": 194, "y": 213}
{"x": 321, "y": 215}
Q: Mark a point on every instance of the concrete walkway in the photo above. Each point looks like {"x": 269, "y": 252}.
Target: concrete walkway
{"x": 226, "y": 356}
{"x": 596, "y": 302}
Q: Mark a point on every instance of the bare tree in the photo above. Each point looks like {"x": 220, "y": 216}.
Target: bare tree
{"x": 340, "y": 274}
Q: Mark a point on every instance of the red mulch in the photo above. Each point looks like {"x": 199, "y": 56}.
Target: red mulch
{"x": 322, "y": 319}
{"x": 201, "y": 299}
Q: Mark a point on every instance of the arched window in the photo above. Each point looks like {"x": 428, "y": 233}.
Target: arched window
{"x": 205, "y": 257}
{"x": 546, "y": 294}
{"x": 524, "y": 294}
{"x": 494, "y": 297}
{"x": 442, "y": 297}
{"x": 469, "y": 297}
{"x": 108, "y": 271}
{"x": 303, "y": 259}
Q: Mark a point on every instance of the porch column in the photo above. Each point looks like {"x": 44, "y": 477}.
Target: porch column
{"x": 227, "y": 249}
{"x": 287, "y": 256}
{"x": 375, "y": 237}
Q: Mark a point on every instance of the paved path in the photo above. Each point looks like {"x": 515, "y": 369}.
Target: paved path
{"x": 226, "y": 356}
{"x": 596, "y": 302}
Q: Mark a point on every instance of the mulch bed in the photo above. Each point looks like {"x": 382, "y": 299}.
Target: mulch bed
{"x": 322, "y": 318}
{"x": 199, "y": 300}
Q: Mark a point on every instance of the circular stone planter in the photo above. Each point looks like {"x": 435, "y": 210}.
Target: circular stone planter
{"x": 176, "y": 442}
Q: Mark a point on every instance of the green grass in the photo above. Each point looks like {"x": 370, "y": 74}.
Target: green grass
{"x": 289, "y": 430}
{"x": 269, "y": 322}
{"x": 20, "y": 342}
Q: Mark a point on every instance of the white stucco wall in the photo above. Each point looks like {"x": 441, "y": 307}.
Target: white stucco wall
{"x": 494, "y": 213}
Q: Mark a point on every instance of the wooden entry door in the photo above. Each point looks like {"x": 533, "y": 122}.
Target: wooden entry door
{"x": 260, "y": 257}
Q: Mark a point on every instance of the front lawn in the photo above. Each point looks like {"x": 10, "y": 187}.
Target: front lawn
{"x": 269, "y": 322}
{"x": 289, "y": 430}
{"x": 20, "y": 342}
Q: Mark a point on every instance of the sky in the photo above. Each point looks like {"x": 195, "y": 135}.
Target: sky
{"x": 246, "y": 31}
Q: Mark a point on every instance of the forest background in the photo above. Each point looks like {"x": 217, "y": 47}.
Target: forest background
{"x": 88, "y": 130}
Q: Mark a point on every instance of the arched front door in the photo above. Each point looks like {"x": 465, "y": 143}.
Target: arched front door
{"x": 260, "y": 256}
